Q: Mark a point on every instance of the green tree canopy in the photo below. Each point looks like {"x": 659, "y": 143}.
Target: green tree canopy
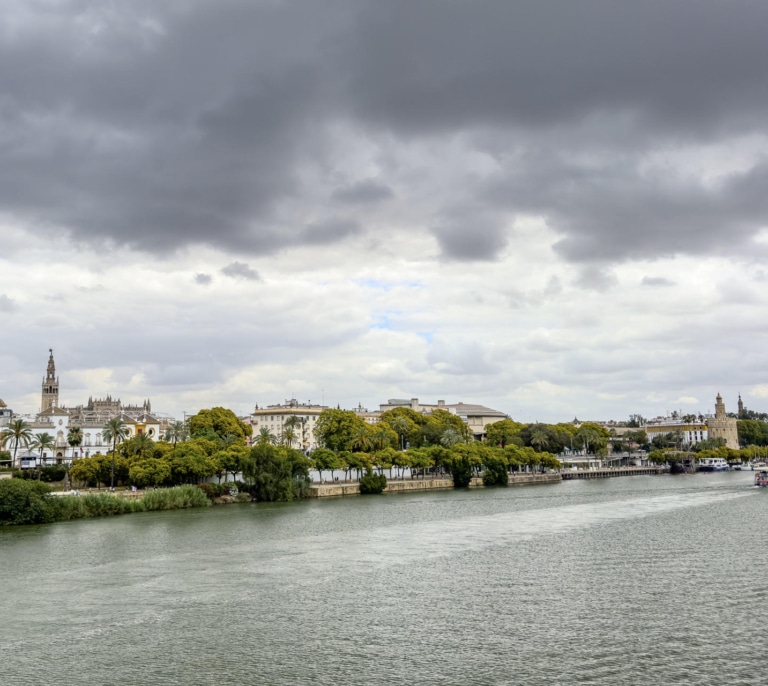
{"x": 277, "y": 473}
{"x": 220, "y": 421}
{"x": 339, "y": 429}
{"x": 504, "y": 432}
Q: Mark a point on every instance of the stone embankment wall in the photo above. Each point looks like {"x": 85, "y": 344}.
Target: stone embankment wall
{"x": 337, "y": 489}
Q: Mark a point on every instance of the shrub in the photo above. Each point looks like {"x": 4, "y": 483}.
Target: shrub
{"x": 176, "y": 498}
{"x": 53, "y": 473}
{"x": 210, "y": 490}
{"x": 495, "y": 473}
{"x": 25, "y": 502}
{"x": 461, "y": 470}
{"x": 372, "y": 483}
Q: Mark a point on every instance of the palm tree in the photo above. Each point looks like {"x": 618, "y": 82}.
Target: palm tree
{"x": 75, "y": 438}
{"x": 292, "y": 422}
{"x": 450, "y": 437}
{"x": 42, "y": 442}
{"x": 361, "y": 439}
{"x": 266, "y": 436}
{"x": 19, "y": 432}
{"x": 228, "y": 440}
{"x": 115, "y": 431}
{"x": 288, "y": 436}
{"x": 142, "y": 444}
{"x": 400, "y": 425}
{"x": 539, "y": 439}
{"x": 176, "y": 431}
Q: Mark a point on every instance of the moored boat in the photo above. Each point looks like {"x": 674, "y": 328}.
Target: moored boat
{"x": 712, "y": 464}
{"x": 761, "y": 478}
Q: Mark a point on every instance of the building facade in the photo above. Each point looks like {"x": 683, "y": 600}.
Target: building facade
{"x": 691, "y": 432}
{"x": 273, "y": 418}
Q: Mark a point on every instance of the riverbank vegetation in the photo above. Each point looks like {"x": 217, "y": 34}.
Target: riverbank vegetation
{"x": 31, "y": 502}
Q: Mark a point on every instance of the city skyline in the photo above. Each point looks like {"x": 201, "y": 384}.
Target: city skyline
{"x": 49, "y": 396}
{"x": 552, "y": 208}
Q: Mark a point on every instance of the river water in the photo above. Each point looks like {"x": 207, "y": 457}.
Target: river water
{"x": 638, "y": 580}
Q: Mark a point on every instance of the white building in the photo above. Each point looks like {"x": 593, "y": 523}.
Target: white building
{"x": 273, "y": 418}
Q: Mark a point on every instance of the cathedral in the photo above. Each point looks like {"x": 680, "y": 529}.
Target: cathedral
{"x": 90, "y": 419}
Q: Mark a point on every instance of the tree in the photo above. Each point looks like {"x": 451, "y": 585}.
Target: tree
{"x": 221, "y": 421}
{"x": 18, "y": 433}
{"x": 85, "y": 470}
{"x": 496, "y": 468}
{"x": 75, "y": 437}
{"x": 288, "y": 437}
{"x": 383, "y": 437}
{"x": 42, "y": 442}
{"x": 406, "y": 423}
{"x": 277, "y": 474}
{"x": 266, "y": 436}
{"x": 191, "y": 463}
{"x": 432, "y": 430}
{"x": 450, "y": 437}
{"x": 139, "y": 446}
{"x": 401, "y": 427}
{"x": 539, "y": 439}
{"x": 292, "y": 422}
{"x": 176, "y": 431}
{"x": 115, "y": 431}
{"x": 362, "y": 439}
{"x": 231, "y": 461}
{"x": 338, "y": 429}
{"x": 593, "y": 436}
{"x": 504, "y": 432}
{"x": 324, "y": 459}
{"x": 149, "y": 472}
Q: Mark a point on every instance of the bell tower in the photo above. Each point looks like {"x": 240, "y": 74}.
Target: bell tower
{"x": 50, "y": 394}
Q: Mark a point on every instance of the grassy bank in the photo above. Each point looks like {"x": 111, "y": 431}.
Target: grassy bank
{"x": 31, "y": 502}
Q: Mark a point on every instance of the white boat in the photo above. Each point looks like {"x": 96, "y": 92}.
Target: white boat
{"x": 712, "y": 464}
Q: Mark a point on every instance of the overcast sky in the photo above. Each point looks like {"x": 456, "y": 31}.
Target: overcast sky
{"x": 553, "y": 208}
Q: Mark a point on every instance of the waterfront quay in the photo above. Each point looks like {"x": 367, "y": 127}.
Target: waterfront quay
{"x": 610, "y": 472}
{"x": 342, "y": 488}
{"x": 433, "y": 484}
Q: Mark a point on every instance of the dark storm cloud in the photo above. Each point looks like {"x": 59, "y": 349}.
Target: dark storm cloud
{"x": 469, "y": 235}
{"x": 239, "y": 270}
{"x": 688, "y": 64}
{"x": 363, "y": 193}
{"x": 328, "y": 232}
{"x": 162, "y": 125}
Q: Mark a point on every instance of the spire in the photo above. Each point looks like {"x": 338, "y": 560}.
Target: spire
{"x": 51, "y": 372}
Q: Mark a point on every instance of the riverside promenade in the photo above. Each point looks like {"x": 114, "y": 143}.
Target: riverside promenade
{"x": 341, "y": 488}
{"x": 416, "y": 485}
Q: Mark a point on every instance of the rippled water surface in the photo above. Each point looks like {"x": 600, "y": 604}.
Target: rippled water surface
{"x": 640, "y": 580}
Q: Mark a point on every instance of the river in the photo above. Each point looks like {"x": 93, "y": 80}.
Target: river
{"x": 636, "y": 580}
